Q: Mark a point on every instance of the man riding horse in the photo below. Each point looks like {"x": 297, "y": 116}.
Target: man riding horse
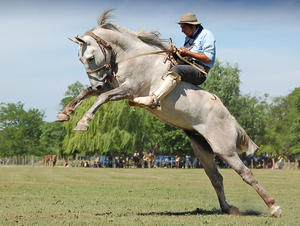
{"x": 199, "y": 48}
{"x": 124, "y": 65}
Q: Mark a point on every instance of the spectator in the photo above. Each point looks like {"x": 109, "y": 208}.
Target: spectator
{"x": 66, "y": 164}
{"x": 177, "y": 161}
{"x": 195, "y": 163}
{"x": 188, "y": 163}
{"x": 95, "y": 164}
{"x": 166, "y": 163}
{"x": 86, "y": 164}
{"x": 136, "y": 159}
{"x": 280, "y": 162}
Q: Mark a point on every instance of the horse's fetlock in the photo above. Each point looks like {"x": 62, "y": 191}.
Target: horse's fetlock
{"x": 270, "y": 202}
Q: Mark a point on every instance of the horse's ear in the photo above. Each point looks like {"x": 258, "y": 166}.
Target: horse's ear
{"x": 77, "y": 40}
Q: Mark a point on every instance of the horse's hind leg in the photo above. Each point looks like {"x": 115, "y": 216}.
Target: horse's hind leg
{"x": 205, "y": 155}
{"x": 235, "y": 162}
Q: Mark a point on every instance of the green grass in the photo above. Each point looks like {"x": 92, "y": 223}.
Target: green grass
{"x": 79, "y": 196}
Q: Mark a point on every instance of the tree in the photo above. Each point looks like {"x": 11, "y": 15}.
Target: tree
{"x": 20, "y": 130}
{"x": 114, "y": 130}
{"x": 163, "y": 139}
{"x": 51, "y": 138}
{"x": 224, "y": 81}
{"x": 250, "y": 112}
{"x": 283, "y": 127}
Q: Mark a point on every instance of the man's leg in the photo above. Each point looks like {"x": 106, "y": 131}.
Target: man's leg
{"x": 189, "y": 74}
{"x": 169, "y": 83}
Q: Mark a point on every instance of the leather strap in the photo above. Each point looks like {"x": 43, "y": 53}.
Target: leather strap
{"x": 99, "y": 40}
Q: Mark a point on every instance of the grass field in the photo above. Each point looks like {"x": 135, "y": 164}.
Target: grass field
{"x": 80, "y": 196}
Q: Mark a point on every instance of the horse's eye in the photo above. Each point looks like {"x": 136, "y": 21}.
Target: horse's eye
{"x": 91, "y": 58}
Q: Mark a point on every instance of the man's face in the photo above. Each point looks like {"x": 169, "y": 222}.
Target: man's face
{"x": 187, "y": 29}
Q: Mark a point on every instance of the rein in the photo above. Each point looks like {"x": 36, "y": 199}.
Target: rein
{"x": 193, "y": 65}
{"x": 143, "y": 54}
{"x": 107, "y": 66}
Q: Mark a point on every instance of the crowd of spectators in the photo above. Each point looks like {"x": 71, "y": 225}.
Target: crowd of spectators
{"x": 148, "y": 160}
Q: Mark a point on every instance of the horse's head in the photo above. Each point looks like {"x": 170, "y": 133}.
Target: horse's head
{"x": 97, "y": 57}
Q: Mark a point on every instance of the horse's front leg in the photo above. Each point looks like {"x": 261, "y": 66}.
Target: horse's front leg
{"x": 70, "y": 107}
{"x": 119, "y": 93}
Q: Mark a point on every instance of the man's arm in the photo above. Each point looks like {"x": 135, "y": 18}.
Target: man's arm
{"x": 198, "y": 56}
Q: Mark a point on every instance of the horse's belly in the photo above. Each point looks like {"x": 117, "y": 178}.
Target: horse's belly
{"x": 173, "y": 118}
{"x": 186, "y": 108}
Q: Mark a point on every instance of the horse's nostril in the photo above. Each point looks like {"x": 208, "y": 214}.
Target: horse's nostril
{"x": 98, "y": 87}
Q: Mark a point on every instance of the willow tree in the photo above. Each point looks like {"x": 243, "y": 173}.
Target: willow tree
{"x": 115, "y": 129}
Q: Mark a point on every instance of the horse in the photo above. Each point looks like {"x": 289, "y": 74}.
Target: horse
{"x": 47, "y": 160}
{"x": 54, "y": 159}
{"x": 122, "y": 64}
{"x": 50, "y": 159}
{"x": 148, "y": 160}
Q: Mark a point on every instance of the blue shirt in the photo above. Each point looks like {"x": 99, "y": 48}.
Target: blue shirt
{"x": 204, "y": 43}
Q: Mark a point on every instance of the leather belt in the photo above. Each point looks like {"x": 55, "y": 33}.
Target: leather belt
{"x": 201, "y": 65}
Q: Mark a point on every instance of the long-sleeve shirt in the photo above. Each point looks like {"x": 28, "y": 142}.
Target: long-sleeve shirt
{"x": 204, "y": 43}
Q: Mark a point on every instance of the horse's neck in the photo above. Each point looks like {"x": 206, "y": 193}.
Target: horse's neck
{"x": 126, "y": 45}
{"x": 120, "y": 43}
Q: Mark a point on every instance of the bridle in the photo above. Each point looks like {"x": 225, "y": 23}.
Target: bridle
{"x": 103, "y": 46}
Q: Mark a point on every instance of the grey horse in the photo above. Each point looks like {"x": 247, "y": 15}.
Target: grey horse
{"x": 125, "y": 65}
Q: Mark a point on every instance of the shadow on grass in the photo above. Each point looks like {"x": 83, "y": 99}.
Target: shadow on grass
{"x": 200, "y": 212}
{"x": 251, "y": 213}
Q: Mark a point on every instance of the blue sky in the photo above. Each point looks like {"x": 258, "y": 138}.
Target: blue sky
{"x": 38, "y": 62}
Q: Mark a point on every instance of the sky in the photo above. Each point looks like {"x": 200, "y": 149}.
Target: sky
{"x": 38, "y": 62}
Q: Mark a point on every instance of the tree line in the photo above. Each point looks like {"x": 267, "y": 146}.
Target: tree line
{"x": 118, "y": 129}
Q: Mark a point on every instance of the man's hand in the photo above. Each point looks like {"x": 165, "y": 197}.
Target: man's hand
{"x": 183, "y": 51}
{"x": 198, "y": 56}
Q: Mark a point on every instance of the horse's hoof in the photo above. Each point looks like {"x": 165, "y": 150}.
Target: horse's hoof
{"x": 62, "y": 117}
{"x": 81, "y": 127}
{"x": 276, "y": 211}
{"x": 232, "y": 210}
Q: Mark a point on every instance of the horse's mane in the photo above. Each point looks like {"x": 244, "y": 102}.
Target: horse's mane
{"x": 149, "y": 37}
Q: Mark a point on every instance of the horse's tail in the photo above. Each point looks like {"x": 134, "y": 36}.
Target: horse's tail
{"x": 244, "y": 142}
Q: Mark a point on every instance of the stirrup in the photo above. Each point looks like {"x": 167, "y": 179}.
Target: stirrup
{"x": 155, "y": 102}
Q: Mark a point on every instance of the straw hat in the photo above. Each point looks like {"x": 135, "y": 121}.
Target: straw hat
{"x": 189, "y": 18}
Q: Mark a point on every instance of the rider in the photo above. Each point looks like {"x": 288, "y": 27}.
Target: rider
{"x": 199, "y": 47}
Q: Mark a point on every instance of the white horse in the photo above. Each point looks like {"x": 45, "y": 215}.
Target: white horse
{"x": 125, "y": 65}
